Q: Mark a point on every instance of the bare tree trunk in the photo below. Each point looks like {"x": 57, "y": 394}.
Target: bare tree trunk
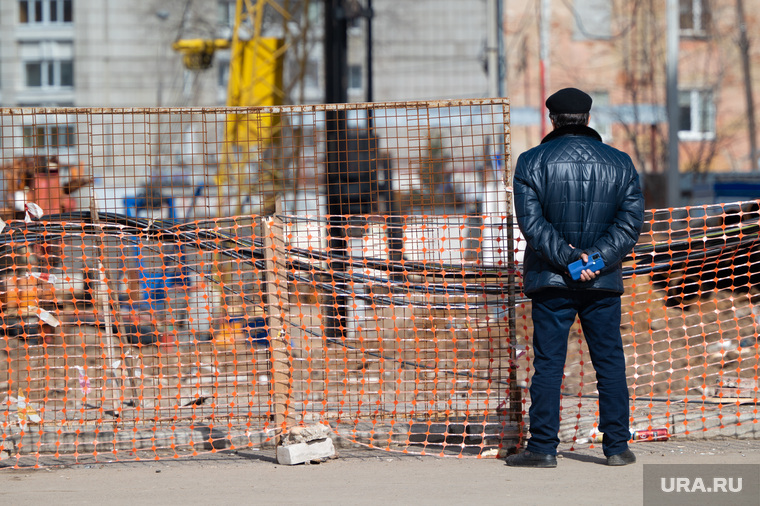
{"x": 746, "y": 67}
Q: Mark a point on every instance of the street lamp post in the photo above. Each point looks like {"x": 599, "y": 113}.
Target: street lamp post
{"x": 673, "y": 174}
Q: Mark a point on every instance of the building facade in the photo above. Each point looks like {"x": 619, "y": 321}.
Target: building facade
{"x": 92, "y": 53}
{"x": 617, "y": 51}
{"x": 95, "y": 53}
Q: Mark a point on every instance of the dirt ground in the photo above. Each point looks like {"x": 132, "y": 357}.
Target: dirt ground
{"x": 360, "y": 476}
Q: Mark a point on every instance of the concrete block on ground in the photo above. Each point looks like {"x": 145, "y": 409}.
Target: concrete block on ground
{"x": 298, "y": 453}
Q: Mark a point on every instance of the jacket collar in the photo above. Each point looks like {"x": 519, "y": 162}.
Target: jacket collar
{"x": 572, "y": 130}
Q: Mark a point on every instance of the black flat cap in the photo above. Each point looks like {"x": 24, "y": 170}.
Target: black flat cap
{"x": 569, "y": 101}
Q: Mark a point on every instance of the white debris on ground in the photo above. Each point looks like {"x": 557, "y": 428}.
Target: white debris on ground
{"x": 306, "y": 444}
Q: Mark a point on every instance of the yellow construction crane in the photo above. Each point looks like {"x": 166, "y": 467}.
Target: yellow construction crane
{"x": 255, "y": 80}
{"x": 255, "y": 61}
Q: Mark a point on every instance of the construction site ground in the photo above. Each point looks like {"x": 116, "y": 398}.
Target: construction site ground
{"x": 364, "y": 476}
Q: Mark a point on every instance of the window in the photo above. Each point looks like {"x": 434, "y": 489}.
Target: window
{"x": 311, "y": 74}
{"x": 315, "y": 13}
{"x": 696, "y": 115}
{"x": 49, "y": 137}
{"x": 354, "y": 24}
{"x": 223, "y": 73}
{"x": 49, "y": 74}
{"x": 67, "y": 73}
{"x": 188, "y": 82}
{"x": 355, "y": 77}
{"x": 694, "y": 17}
{"x": 592, "y": 19}
{"x": 45, "y": 11}
{"x": 225, "y": 10}
{"x": 600, "y": 119}
{"x": 34, "y": 74}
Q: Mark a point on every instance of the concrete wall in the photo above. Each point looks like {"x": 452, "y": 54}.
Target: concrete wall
{"x": 429, "y": 49}
{"x": 121, "y": 52}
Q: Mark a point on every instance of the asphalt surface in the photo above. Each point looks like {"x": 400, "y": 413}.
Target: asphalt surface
{"x": 363, "y": 476}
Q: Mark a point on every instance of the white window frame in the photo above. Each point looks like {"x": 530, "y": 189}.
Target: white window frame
{"x": 355, "y": 25}
{"x": 699, "y": 100}
{"x": 225, "y": 12}
{"x": 222, "y": 64}
{"x": 225, "y": 18}
{"x": 592, "y": 20}
{"x": 51, "y": 71}
{"x": 43, "y": 137}
{"x": 601, "y": 122}
{"x": 188, "y": 80}
{"x": 355, "y": 77}
{"x": 222, "y": 72}
{"x": 697, "y": 9}
{"x": 49, "y": 7}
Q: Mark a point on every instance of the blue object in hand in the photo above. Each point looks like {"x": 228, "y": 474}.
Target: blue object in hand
{"x": 595, "y": 263}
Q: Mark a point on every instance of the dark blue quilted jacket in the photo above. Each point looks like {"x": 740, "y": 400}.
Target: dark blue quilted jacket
{"x": 574, "y": 189}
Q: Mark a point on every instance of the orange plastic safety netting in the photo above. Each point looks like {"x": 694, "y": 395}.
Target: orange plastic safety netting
{"x": 689, "y": 327}
{"x": 169, "y": 289}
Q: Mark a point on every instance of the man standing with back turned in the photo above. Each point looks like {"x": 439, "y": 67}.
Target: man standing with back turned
{"x": 576, "y": 197}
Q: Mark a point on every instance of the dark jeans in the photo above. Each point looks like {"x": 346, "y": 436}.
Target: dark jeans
{"x": 553, "y": 314}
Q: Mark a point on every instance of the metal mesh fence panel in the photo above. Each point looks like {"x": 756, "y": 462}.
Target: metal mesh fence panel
{"x": 170, "y": 287}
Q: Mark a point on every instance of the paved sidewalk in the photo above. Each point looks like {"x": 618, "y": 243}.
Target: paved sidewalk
{"x": 362, "y": 476}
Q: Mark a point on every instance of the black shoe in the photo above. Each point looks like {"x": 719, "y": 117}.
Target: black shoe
{"x": 530, "y": 459}
{"x": 621, "y": 459}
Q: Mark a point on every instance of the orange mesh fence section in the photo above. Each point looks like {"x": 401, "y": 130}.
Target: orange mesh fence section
{"x": 169, "y": 291}
{"x": 689, "y": 327}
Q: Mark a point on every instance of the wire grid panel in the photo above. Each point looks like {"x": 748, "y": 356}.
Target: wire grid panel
{"x": 169, "y": 291}
{"x": 177, "y": 294}
{"x": 690, "y": 330}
